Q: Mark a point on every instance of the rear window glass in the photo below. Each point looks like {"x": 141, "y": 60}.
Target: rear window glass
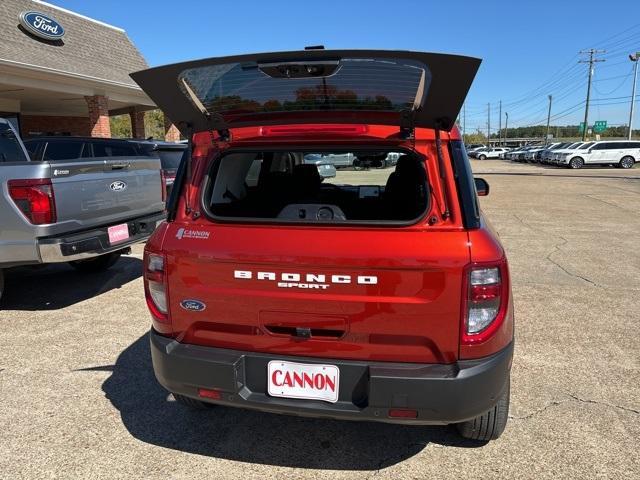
{"x": 10, "y": 150}
{"x": 170, "y": 159}
{"x": 62, "y": 150}
{"x": 319, "y": 187}
{"x": 348, "y": 84}
{"x": 108, "y": 149}
{"x": 32, "y": 147}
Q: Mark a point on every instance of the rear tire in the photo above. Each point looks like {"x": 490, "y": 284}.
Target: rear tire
{"x": 490, "y": 425}
{"x": 97, "y": 264}
{"x": 191, "y": 402}
{"x": 576, "y": 163}
{"x": 627, "y": 162}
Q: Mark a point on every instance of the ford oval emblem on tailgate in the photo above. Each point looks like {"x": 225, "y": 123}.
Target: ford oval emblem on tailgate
{"x": 118, "y": 186}
{"x": 193, "y": 305}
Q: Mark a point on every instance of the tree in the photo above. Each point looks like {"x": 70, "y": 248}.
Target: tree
{"x": 120, "y": 126}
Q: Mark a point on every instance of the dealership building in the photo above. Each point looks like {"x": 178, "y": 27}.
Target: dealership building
{"x": 62, "y": 73}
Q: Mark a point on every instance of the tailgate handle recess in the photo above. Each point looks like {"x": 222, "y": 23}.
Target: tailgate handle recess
{"x": 120, "y": 166}
{"x": 305, "y": 333}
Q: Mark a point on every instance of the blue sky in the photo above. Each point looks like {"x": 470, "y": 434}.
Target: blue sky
{"x": 529, "y": 48}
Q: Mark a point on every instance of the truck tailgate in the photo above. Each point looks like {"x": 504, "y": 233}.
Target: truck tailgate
{"x": 101, "y": 191}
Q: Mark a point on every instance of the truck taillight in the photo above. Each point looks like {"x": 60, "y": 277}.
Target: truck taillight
{"x": 34, "y": 197}
{"x": 485, "y": 297}
{"x": 155, "y": 286}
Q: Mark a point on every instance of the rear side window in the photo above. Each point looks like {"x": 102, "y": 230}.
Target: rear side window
{"x": 466, "y": 185}
{"x": 318, "y": 187}
{"x": 10, "y": 149}
{"x": 114, "y": 149}
{"x": 62, "y": 150}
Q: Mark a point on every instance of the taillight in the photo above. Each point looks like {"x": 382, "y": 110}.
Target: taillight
{"x": 155, "y": 286}
{"x": 34, "y": 197}
{"x": 485, "y": 299}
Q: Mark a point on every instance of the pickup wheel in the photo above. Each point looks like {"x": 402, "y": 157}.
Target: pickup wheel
{"x": 490, "y": 425}
{"x": 191, "y": 402}
{"x": 627, "y": 162}
{"x": 97, "y": 264}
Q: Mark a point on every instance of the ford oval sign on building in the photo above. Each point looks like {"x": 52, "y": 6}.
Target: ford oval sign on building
{"x": 41, "y": 25}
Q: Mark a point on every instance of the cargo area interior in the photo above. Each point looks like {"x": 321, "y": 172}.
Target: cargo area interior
{"x": 319, "y": 186}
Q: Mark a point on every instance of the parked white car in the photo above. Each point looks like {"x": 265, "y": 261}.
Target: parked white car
{"x": 474, "y": 146}
{"x": 622, "y": 153}
{"x": 489, "y": 152}
{"x": 560, "y": 153}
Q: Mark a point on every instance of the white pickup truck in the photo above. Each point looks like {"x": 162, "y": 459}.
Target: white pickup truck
{"x": 85, "y": 209}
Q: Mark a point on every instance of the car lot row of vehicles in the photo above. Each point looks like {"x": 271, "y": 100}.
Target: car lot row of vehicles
{"x": 618, "y": 153}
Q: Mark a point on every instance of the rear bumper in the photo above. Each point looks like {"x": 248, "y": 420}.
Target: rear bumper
{"x": 94, "y": 242}
{"x": 441, "y": 394}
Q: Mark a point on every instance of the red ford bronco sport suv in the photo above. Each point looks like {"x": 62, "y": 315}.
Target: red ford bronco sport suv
{"x": 378, "y": 294}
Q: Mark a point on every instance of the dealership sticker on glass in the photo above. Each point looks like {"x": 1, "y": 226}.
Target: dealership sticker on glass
{"x": 118, "y": 233}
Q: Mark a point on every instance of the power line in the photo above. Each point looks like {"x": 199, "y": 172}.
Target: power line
{"x": 626, "y": 77}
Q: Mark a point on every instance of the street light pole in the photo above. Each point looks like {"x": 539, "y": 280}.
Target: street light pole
{"x": 633, "y": 58}
{"x": 546, "y": 140}
{"x": 500, "y": 125}
{"x": 488, "y": 124}
{"x": 506, "y": 125}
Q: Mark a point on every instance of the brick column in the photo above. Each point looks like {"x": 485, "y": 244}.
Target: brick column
{"x": 171, "y": 133}
{"x": 137, "y": 123}
{"x": 99, "y": 116}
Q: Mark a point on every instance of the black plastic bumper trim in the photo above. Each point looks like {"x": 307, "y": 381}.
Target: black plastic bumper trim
{"x": 441, "y": 394}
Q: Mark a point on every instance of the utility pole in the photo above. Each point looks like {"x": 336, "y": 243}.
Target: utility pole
{"x": 500, "y": 124}
{"x": 488, "y": 124}
{"x": 464, "y": 120}
{"x": 546, "y": 140}
{"x": 506, "y": 126}
{"x": 633, "y": 58}
{"x": 592, "y": 53}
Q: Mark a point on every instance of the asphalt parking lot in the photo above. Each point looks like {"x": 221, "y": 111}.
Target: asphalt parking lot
{"x": 78, "y": 397}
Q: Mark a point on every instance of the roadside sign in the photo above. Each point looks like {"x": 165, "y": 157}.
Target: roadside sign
{"x": 581, "y": 127}
{"x": 600, "y": 126}
{"x": 549, "y": 136}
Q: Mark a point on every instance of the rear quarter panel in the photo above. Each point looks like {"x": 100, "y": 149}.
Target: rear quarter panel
{"x": 17, "y": 235}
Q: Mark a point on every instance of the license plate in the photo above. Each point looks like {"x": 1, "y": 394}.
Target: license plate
{"x": 304, "y": 381}
{"x": 118, "y": 233}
